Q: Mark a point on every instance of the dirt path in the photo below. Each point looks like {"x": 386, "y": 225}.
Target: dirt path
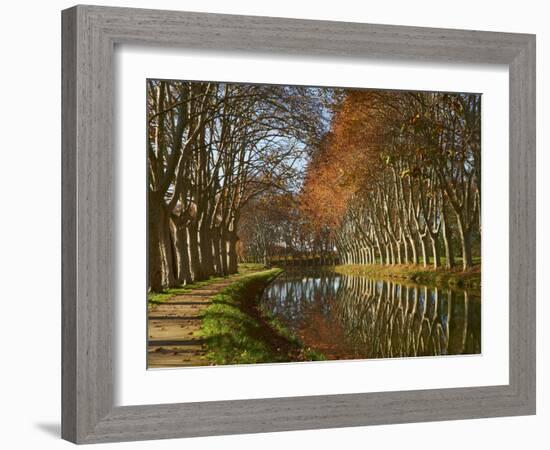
{"x": 172, "y": 327}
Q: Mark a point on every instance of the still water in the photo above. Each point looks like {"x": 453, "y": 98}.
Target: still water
{"x": 355, "y": 317}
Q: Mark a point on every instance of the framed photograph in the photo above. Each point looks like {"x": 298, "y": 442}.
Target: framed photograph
{"x": 277, "y": 224}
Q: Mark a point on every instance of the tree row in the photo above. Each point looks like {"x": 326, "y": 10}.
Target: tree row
{"x": 212, "y": 147}
{"x": 398, "y": 179}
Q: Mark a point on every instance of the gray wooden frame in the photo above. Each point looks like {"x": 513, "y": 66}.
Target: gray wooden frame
{"x": 89, "y": 36}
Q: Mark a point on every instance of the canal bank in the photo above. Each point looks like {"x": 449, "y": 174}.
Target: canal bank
{"x": 469, "y": 279}
{"x": 237, "y": 330}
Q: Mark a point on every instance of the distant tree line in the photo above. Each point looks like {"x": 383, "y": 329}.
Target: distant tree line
{"x": 275, "y": 231}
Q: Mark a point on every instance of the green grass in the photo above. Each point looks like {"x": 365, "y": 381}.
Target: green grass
{"x": 469, "y": 279}
{"x": 238, "y": 331}
{"x": 155, "y": 298}
{"x": 250, "y": 267}
{"x": 160, "y": 297}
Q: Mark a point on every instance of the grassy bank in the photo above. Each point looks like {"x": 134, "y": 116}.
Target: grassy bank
{"x": 454, "y": 278}
{"x": 238, "y": 331}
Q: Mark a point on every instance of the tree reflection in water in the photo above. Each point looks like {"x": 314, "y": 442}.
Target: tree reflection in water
{"x": 354, "y": 317}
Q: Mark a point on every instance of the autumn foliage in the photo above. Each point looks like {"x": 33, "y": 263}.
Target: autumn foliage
{"x": 397, "y": 179}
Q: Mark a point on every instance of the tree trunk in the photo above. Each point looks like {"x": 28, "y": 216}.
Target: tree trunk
{"x": 406, "y": 248}
{"x": 207, "y": 259}
{"x": 435, "y": 250}
{"x": 224, "y": 251}
{"x": 466, "y": 238}
{"x": 232, "y": 252}
{"x": 381, "y": 254}
{"x": 161, "y": 266}
{"x": 414, "y": 249}
{"x": 398, "y": 244}
{"x": 424, "y": 253}
{"x": 216, "y": 246}
{"x": 181, "y": 253}
{"x": 447, "y": 242}
{"x": 194, "y": 254}
{"x": 155, "y": 254}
